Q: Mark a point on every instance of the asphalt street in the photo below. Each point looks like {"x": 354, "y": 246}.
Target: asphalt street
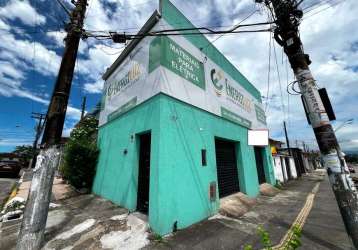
{"x": 5, "y": 187}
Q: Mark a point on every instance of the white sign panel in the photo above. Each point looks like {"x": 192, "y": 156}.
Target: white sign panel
{"x": 258, "y": 137}
{"x": 129, "y": 85}
{"x": 174, "y": 66}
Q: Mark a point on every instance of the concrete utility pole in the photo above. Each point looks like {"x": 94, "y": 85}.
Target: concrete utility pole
{"x": 287, "y": 18}
{"x": 35, "y": 215}
{"x": 39, "y": 128}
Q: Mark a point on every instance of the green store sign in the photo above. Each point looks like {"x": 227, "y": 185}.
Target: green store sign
{"x": 165, "y": 52}
{"x": 124, "y": 108}
{"x": 260, "y": 114}
{"x": 227, "y": 114}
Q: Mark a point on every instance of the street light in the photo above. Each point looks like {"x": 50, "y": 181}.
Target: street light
{"x": 347, "y": 122}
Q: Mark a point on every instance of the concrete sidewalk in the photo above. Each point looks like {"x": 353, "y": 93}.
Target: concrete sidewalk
{"x": 323, "y": 229}
{"x": 60, "y": 190}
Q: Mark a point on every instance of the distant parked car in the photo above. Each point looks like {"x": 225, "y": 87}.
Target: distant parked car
{"x": 351, "y": 169}
{"x": 10, "y": 168}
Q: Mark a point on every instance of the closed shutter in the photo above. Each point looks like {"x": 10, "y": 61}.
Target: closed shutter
{"x": 260, "y": 165}
{"x": 228, "y": 179}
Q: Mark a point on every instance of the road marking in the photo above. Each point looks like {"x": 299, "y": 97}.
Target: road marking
{"x": 300, "y": 219}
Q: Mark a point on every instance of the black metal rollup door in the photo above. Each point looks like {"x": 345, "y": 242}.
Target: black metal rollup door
{"x": 260, "y": 165}
{"x": 228, "y": 179}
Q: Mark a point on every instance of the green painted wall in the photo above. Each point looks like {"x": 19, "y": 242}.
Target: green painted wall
{"x": 117, "y": 173}
{"x": 179, "y": 185}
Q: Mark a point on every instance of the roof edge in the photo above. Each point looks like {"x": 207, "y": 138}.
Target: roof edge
{"x": 153, "y": 20}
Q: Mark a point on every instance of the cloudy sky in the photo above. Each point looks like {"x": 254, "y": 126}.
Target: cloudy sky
{"x": 31, "y": 46}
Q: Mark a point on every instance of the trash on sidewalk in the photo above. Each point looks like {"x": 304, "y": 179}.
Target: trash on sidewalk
{"x": 236, "y": 205}
{"x": 12, "y": 209}
{"x": 135, "y": 237}
{"x": 268, "y": 190}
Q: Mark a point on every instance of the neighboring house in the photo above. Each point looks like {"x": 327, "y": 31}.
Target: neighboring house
{"x": 290, "y": 164}
{"x": 284, "y": 163}
{"x": 275, "y": 145}
{"x": 173, "y": 128}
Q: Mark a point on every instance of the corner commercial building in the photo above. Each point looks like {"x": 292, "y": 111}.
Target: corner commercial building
{"x": 174, "y": 127}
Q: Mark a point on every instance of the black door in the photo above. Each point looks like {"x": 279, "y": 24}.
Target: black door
{"x": 260, "y": 165}
{"x": 228, "y": 179}
{"x": 144, "y": 173}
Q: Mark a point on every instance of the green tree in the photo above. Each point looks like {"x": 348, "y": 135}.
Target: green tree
{"x": 81, "y": 154}
{"x": 25, "y": 153}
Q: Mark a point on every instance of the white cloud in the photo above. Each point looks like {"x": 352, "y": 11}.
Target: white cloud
{"x": 4, "y": 25}
{"x": 7, "y": 69}
{"x": 57, "y": 37}
{"x": 15, "y": 89}
{"x": 9, "y": 142}
{"x": 45, "y": 61}
{"x": 22, "y": 10}
{"x": 94, "y": 88}
{"x": 73, "y": 113}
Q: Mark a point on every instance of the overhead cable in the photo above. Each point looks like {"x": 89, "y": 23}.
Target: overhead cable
{"x": 268, "y": 74}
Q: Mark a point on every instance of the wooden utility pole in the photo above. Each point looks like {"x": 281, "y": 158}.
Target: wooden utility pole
{"x": 57, "y": 109}
{"x": 39, "y": 127}
{"x": 287, "y": 18}
{"x": 83, "y": 107}
{"x": 286, "y": 135}
{"x": 35, "y": 215}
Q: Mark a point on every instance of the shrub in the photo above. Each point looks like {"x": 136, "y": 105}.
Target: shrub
{"x": 81, "y": 154}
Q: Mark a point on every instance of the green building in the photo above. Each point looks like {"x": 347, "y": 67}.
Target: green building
{"x": 174, "y": 125}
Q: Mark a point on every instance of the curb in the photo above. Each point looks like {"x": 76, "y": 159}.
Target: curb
{"x": 14, "y": 190}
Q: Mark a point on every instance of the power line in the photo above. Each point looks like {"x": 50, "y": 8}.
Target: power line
{"x": 268, "y": 74}
{"x": 121, "y": 38}
{"x": 328, "y": 7}
{"x": 159, "y": 25}
{"x": 279, "y": 81}
{"x": 63, "y": 7}
{"x": 288, "y": 96}
{"x": 316, "y": 5}
{"x": 210, "y": 28}
{"x": 50, "y": 28}
{"x": 120, "y": 49}
{"x": 297, "y": 4}
{"x": 236, "y": 26}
